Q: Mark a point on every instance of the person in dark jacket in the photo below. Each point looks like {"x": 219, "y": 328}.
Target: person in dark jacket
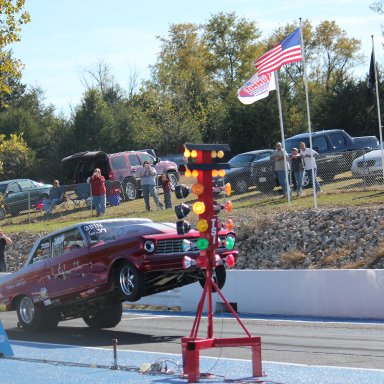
{"x": 4, "y": 240}
{"x": 297, "y": 166}
{"x": 166, "y": 183}
{"x": 56, "y": 196}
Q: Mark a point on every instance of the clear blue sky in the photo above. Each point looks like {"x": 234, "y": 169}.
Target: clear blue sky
{"x": 65, "y": 37}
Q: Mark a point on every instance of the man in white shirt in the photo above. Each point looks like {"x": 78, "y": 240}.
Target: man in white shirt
{"x": 309, "y": 157}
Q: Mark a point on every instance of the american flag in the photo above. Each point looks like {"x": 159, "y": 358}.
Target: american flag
{"x": 288, "y": 51}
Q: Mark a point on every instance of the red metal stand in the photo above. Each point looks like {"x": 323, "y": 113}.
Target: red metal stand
{"x": 192, "y": 345}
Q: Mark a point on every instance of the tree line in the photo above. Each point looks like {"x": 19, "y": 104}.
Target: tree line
{"x": 191, "y": 96}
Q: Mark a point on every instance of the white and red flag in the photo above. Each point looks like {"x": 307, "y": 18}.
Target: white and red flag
{"x": 256, "y": 88}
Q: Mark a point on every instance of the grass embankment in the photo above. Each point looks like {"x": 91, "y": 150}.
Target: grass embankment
{"x": 248, "y": 207}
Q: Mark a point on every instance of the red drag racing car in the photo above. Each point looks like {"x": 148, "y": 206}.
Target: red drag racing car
{"x": 87, "y": 270}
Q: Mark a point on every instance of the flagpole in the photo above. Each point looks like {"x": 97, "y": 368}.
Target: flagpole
{"x": 282, "y": 136}
{"x": 308, "y": 114}
{"x": 378, "y": 107}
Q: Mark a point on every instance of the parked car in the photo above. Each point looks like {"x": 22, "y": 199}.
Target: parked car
{"x": 88, "y": 269}
{"x": 124, "y": 167}
{"x": 336, "y": 148}
{"x": 240, "y": 175}
{"x": 369, "y": 165}
{"x": 20, "y": 195}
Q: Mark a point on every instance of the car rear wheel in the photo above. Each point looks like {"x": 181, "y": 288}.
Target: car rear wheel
{"x": 219, "y": 277}
{"x": 107, "y": 317}
{"x": 130, "y": 191}
{"x": 130, "y": 281}
{"x": 33, "y": 318}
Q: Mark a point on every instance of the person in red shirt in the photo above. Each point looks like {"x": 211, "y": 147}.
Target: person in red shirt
{"x": 166, "y": 183}
{"x": 98, "y": 191}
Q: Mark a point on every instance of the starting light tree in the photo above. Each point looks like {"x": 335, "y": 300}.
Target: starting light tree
{"x": 203, "y": 164}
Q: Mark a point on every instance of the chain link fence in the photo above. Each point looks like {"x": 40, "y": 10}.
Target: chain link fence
{"x": 336, "y": 172}
{"x": 353, "y": 170}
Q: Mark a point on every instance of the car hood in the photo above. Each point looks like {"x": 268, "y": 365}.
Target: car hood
{"x": 372, "y": 155}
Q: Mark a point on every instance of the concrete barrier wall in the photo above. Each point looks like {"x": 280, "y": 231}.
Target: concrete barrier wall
{"x": 354, "y": 294}
{"x": 322, "y": 293}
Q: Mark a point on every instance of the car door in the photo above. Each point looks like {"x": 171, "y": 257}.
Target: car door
{"x": 67, "y": 271}
{"x": 15, "y": 201}
{"x": 31, "y": 193}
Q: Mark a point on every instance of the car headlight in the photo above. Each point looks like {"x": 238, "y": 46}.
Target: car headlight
{"x": 149, "y": 246}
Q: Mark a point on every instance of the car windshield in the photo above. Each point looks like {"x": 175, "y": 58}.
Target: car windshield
{"x": 294, "y": 143}
{"x": 241, "y": 160}
{"x": 109, "y": 230}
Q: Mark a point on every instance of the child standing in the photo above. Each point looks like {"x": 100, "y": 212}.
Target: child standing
{"x": 166, "y": 184}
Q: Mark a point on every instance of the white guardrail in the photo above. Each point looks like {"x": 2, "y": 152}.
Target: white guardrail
{"x": 351, "y": 294}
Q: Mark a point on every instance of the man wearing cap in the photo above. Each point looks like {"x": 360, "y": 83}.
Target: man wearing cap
{"x": 148, "y": 185}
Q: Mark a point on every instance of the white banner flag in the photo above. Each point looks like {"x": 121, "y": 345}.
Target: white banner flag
{"x": 256, "y": 88}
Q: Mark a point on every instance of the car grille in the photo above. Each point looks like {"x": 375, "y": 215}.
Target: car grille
{"x": 366, "y": 163}
{"x": 174, "y": 246}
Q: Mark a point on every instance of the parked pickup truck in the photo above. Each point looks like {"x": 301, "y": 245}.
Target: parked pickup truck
{"x": 336, "y": 149}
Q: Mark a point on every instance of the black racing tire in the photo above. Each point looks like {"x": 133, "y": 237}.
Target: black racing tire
{"x": 35, "y": 319}
{"x": 129, "y": 281}
{"x": 130, "y": 190}
{"x": 107, "y": 317}
{"x": 219, "y": 277}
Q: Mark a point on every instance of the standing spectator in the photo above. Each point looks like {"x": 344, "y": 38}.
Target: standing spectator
{"x": 148, "y": 184}
{"x": 4, "y": 240}
{"x": 98, "y": 191}
{"x": 309, "y": 157}
{"x": 297, "y": 167}
{"x": 56, "y": 196}
{"x": 165, "y": 181}
{"x": 278, "y": 157}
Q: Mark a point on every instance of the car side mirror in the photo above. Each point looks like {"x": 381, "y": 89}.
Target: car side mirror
{"x": 157, "y": 160}
{"x": 9, "y": 193}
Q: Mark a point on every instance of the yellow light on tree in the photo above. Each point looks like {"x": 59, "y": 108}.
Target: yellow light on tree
{"x": 195, "y": 173}
{"x": 220, "y": 154}
{"x": 197, "y": 189}
{"x": 198, "y": 208}
{"x": 202, "y": 225}
{"x": 187, "y": 153}
{"x": 187, "y": 173}
{"x": 222, "y": 172}
{"x": 194, "y": 153}
{"x": 213, "y": 154}
{"x": 215, "y": 173}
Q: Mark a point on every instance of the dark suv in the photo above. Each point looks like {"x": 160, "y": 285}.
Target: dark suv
{"x": 123, "y": 167}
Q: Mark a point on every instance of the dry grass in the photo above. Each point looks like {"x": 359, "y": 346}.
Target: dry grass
{"x": 293, "y": 259}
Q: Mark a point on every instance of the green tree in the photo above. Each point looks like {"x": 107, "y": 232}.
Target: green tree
{"x": 15, "y": 157}
{"x": 12, "y": 17}
{"x": 94, "y": 125}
